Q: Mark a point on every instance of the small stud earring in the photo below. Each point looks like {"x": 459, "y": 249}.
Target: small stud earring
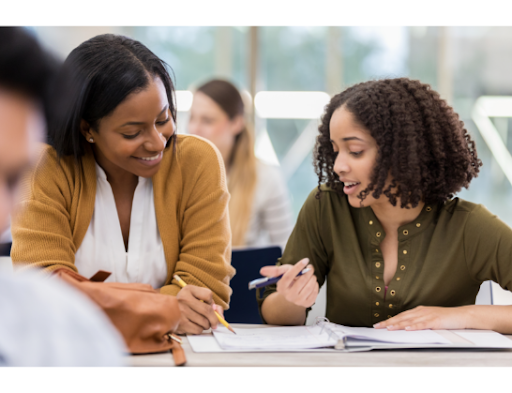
{"x": 91, "y": 140}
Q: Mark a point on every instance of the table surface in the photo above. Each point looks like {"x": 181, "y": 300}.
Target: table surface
{"x": 375, "y": 358}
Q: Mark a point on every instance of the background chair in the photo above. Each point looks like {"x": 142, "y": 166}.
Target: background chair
{"x": 5, "y": 249}
{"x": 243, "y": 307}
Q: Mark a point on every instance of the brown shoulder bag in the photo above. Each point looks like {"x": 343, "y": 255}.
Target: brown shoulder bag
{"x": 145, "y": 318}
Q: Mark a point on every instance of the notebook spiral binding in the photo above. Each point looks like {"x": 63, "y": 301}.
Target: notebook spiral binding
{"x": 325, "y": 324}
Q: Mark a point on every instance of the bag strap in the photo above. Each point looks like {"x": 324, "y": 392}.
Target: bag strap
{"x": 178, "y": 354}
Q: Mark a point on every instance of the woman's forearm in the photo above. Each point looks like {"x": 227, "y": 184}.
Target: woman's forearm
{"x": 276, "y": 310}
{"x": 497, "y": 318}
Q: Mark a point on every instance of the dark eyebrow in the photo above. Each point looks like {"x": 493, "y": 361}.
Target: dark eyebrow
{"x": 138, "y": 123}
{"x": 352, "y": 138}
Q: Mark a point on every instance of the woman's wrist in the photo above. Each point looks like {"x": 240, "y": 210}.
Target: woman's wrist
{"x": 276, "y": 310}
{"x": 476, "y": 317}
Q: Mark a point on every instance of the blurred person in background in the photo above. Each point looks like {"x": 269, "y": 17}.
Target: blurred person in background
{"x": 118, "y": 190}
{"x": 42, "y": 322}
{"x": 259, "y": 209}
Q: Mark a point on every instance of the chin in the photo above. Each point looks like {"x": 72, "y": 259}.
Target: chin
{"x": 354, "y": 201}
{"x": 147, "y": 173}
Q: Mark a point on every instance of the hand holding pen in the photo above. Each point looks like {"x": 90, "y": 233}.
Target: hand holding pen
{"x": 300, "y": 289}
{"x": 213, "y": 308}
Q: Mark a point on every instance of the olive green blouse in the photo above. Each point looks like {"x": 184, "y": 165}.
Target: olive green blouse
{"x": 443, "y": 257}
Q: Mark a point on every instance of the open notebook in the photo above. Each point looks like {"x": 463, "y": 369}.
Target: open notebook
{"x": 326, "y": 336}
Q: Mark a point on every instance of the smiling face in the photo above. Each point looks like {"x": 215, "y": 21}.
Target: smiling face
{"x": 133, "y": 137}
{"x": 356, "y": 155}
{"x": 207, "y": 119}
{"x": 21, "y": 127}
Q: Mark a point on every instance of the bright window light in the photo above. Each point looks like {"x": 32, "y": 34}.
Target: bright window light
{"x": 184, "y": 100}
{"x": 492, "y": 106}
{"x": 496, "y": 106}
{"x": 290, "y": 104}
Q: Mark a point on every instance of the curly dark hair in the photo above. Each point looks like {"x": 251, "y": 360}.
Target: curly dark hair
{"x": 421, "y": 142}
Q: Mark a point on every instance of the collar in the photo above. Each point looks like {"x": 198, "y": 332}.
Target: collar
{"x": 405, "y": 232}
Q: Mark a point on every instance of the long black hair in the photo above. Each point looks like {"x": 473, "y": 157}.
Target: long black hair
{"x": 95, "y": 78}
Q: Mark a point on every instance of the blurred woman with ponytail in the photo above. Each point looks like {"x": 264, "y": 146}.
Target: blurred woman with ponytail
{"x": 259, "y": 208}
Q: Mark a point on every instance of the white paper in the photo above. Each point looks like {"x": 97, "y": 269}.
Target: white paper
{"x": 486, "y": 339}
{"x": 391, "y": 336}
{"x": 206, "y": 343}
{"x": 290, "y": 337}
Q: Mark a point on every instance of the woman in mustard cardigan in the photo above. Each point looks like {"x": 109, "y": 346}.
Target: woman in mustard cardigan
{"x": 117, "y": 190}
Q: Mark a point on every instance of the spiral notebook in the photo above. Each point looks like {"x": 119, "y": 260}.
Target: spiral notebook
{"x": 326, "y": 336}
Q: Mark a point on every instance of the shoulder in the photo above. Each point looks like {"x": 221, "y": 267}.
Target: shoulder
{"x": 48, "y": 172}
{"x": 476, "y": 218}
{"x": 50, "y": 308}
{"x": 267, "y": 170}
{"x": 196, "y": 158}
{"x": 196, "y": 146}
{"x": 270, "y": 178}
{"x": 326, "y": 202}
{"x": 461, "y": 209}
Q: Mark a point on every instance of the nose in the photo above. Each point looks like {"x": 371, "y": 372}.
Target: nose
{"x": 155, "y": 142}
{"x": 341, "y": 165}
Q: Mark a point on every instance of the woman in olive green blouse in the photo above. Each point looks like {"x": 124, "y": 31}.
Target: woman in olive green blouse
{"x": 397, "y": 250}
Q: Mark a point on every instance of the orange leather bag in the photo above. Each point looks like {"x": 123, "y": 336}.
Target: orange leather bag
{"x": 144, "y": 317}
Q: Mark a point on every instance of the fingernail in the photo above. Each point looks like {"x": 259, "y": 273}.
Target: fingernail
{"x": 376, "y": 325}
{"x": 389, "y": 327}
{"x": 305, "y": 261}
{"x": 407, "y": 328}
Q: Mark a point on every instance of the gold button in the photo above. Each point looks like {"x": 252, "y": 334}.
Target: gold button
{"x": 392, "y": 292}
{"x": 378, "y": 234}
{"x": 377, "y": 303}
{"x": 376, "y": 250}
{"x": 376, "y": 315}
{"x": 405, "y": 252}
{"x": 390, "y": 306}
{"x": 402, "y": 267}
{"x": 406, "y": 232}
{"x": 418, "y": 225}
{"x": 378, "y": 289}
{"x": 371, "y": 222}
{"x": 377, "y": 264}
{"x": 398, "y": 279}
{"x": 428, "y": 208}
{"x": 377, "y": 277}
{"x": 389, "y": 316}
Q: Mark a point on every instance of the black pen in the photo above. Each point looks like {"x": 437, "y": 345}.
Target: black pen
{"x": 263, "y": 282}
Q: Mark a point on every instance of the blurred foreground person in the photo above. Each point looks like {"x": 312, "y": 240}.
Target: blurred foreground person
{"x": 259, "y": 209}
{"x": 42, "y": 323}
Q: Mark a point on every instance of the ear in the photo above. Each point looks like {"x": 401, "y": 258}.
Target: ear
{"x": 85, "y": 129}
{"x": 237, "y": 125}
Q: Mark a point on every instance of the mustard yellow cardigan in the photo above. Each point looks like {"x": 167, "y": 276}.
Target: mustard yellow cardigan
{"x": 191, "y": 205}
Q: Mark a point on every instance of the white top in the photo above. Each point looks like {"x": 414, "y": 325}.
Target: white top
{"x": 103, "y": 245}
{"x": 271, "y": 219}
{"x": 46, "y": 322}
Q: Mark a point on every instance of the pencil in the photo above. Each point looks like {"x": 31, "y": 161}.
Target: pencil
{"x": 183, "y": 284}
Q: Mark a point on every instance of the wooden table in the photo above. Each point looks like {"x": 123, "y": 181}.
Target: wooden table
{"x": 376, "y": 358}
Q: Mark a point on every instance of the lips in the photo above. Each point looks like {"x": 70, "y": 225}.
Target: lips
{"x": 350, "y": 187}
{"x": 149, "y": 158}
{"x": 150, "y": 161}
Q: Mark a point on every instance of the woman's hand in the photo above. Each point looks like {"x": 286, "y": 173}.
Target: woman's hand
{"x": 421, "y": 317}
{"x": 197, "y": 310}
{"x": 301, "y": 291}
